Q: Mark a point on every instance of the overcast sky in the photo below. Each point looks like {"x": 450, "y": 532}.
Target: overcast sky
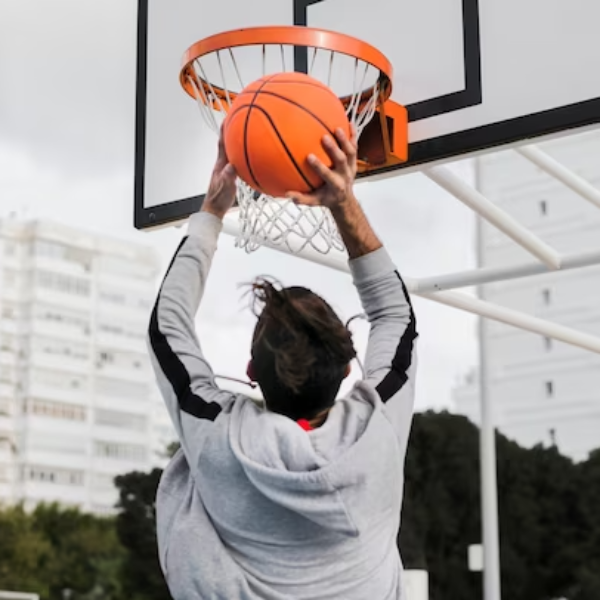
{"x": 67, "y": 99}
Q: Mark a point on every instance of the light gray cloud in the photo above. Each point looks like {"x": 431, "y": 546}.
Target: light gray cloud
{"x": 67, "y": 77}
{"x": 67, "y": 71}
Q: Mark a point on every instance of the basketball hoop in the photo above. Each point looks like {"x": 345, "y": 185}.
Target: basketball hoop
{"x": 217, "y": 68}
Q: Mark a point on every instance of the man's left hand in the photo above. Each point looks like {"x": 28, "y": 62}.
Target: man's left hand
{"x": 221, "y": 191}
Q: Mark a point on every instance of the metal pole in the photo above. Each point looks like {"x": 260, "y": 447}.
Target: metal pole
{"x": 459, "y": 300}
{"x": 471, "y": 277}
{"x": 476, "y": 201}
{"x": 488, "y": 463}
{"x": 557, "y": 170}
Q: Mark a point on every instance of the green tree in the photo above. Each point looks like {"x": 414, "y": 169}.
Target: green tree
{"x": 548, "y": 507}
{"x": 141, "y": 575}
{"x": 587, "y": 586}
{"x": 53, "y": 549}
{"x": 24, "y": 553}
{"x": 86, "y": 552}
{"x": 440, "y": 517}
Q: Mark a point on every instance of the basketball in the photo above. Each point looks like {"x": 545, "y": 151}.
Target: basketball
{"x": 272, "y": 127}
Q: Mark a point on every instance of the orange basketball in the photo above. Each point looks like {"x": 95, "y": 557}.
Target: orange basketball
{"x": 272, "y": 127}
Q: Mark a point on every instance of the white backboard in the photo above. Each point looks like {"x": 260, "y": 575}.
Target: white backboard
{"x": 474, "y": 74}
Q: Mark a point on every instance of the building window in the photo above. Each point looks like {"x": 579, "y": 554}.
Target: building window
{"x": 118, "y": 388}
{"x": 119, "y": 420}
{"x": 547, "y": 296}
{"x": 115, "y": 451}
{"x": 543, "y": 208}
{"x": 58, "y": 380}
{"x": 549, "y": 385}
{"x": 8, "y": 312}
{"x": 71, "y": 319}
{"x": 54, "y": 476}
{"x": 104, "y": 480}
{"x": 107, "y": 358}
{"x": 65, "y": 284}
{"x": 62, "y": 349}
{"x": 56, "y": 410}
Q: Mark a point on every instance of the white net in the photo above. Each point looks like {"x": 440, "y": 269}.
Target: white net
{"x": 218, "y": 75}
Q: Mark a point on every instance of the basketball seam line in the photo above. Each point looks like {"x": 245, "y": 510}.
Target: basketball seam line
{"x": 284, "y": 145}
{"x": 251, "y": 106}
{"x": 306, "y": 110}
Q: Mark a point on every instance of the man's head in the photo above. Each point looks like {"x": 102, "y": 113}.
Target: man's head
{"x": 301, "y": 350}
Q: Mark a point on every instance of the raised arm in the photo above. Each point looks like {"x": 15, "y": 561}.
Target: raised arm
{"x": 390, "y": 361}
{"x": 185, "y": 378}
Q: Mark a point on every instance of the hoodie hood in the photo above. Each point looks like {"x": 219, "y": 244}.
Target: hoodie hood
{"x": 307, "y": 472}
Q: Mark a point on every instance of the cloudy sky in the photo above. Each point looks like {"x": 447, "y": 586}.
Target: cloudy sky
{"x": 67, "y": 101}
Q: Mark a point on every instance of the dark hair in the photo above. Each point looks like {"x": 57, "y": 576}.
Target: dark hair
{"x": 300, "y": 349}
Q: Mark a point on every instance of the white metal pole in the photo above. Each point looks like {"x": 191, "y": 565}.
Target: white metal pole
{"x": 559, "y": 171}
{"x": 476, "y": 201}
{"x": 487, "y": 459}
{"x": 472, "y": 277}
{"x": 514, "y": 318}
{"x": 458, "y": 300}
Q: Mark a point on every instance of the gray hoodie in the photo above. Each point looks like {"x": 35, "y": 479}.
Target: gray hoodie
{"x": 255, "y": 507}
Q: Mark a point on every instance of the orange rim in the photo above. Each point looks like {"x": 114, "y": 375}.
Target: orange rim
{"x": 289, "y": 36}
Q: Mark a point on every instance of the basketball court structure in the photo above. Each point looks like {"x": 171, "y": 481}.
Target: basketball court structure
{"x": 473, "y": 75}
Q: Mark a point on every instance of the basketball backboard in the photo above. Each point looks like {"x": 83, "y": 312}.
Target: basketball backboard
{"x": 474, "y": 75}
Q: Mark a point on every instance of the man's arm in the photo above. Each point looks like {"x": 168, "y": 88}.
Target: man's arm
{"x": 390, "y": 362}
{"x": 184, "y": 376}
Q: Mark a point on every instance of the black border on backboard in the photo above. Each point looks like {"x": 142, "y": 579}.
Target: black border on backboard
{"x": 144, "y": 218}
{"x": 469, "y": 96}
{"x": 445, "y": 147}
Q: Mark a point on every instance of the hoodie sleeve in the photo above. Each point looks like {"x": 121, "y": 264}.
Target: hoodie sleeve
{"x": 390, "y": 362}
{"x": 184, "y": 377}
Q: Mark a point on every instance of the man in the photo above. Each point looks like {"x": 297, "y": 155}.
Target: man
{"x": 300, "y": 500}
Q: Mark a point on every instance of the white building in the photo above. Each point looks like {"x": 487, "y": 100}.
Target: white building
{"x": 542, "y": 391}
{"x": 77, "y": 396}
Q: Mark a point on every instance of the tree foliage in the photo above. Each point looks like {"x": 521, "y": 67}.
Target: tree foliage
{"x": 52, "y": 550}
{"x": 549, "y": 526}
{"x": 548, "y": 508}
{"x": 141, "y": 575}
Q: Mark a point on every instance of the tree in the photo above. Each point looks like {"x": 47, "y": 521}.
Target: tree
{"x": 440, "y": 516}
{"x": 548, "y": 507}
{"x": 24, "y": 553}
{"x": 86, "y": 553}
{"x": 53, "y": 549}
{"x": 141, "y": 575}
{"x": 587, "y": 586}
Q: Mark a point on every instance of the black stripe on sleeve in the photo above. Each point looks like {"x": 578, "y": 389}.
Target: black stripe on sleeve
{"x": 393, "y": 382}
{"x": 173, "y": 367}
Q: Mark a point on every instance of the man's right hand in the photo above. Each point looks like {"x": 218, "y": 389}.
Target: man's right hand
{"x": 337, "y": 194}
{"x": 339, "y": 179}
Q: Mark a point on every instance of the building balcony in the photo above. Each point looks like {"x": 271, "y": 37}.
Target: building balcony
{"x": 60, "y": 331}
{"x": 39, "y": 491}
{"x": 119, "y": 466}
{"x": 7, "y": 428}
{"x": 60, "y": 363}
{"x": 53, "y": 459}
{"x": 61, "y": 394}
{"x": 7, "y": 391}
{"x": 120, "y": 342}
{"x": 60, "y": 265}
{"x": 10, "y": 326}
{"x": 121, "y": 435}
{"x": 63, "y": 299}
{"x": 143, "y": 374}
